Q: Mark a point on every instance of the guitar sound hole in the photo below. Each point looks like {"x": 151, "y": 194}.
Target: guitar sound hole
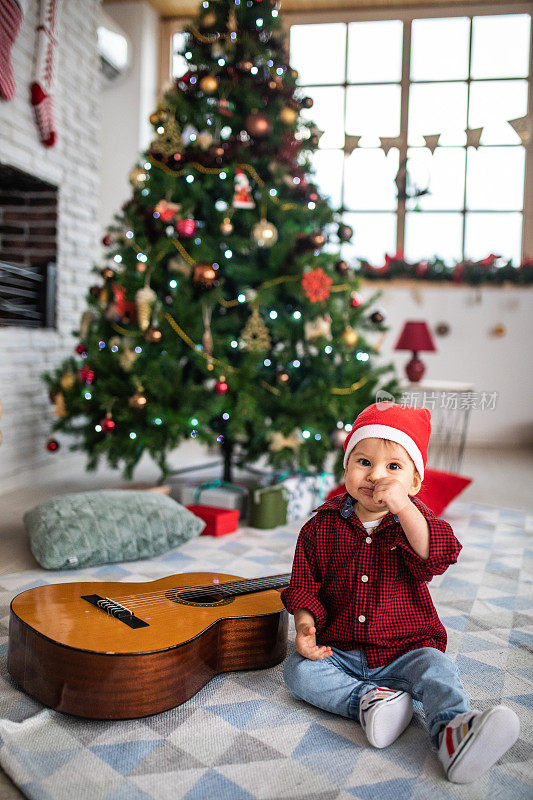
{"x": 196, "y": 598}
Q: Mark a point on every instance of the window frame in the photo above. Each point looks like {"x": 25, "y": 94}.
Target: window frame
{"x": 405, "y": 15}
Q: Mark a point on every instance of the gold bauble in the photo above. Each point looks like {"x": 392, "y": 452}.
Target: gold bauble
{"x": 67, "y": 381}
{"x": 226, "y": 226}
{"x": 208, "y": 84}
{"x": 264, "y": 233}
{"x": 137, "y": 401}
{"x": 204, "y": 275}
{"x": 153, "y": 334}
{"x": 349, "y": 337}
{"x": 141, "y": 267}
{"x": 288, "y": 115}
{"x": 137, "y": 177}
{"x": 208, "y": 20}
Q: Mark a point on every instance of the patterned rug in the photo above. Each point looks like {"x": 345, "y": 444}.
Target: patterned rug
{"x": 244, "y": 737}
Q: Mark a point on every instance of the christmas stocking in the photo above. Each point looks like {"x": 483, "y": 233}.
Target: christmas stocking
{"x": 43, "y": 84}
{"x": 11, "y": 14}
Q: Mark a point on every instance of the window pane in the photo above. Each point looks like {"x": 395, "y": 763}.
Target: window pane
{"x": 371, "y": 112}
{"x": 439, "y": 49}
{"x": 429, "y": 235}
{"x": 369, "y": 180}
{"x": 327, "y": 112}
{"x": 500, "y": 46}
{"x": 495, "y": 178}
{"x": 443, "y": 173}
{"x": 328, "y": 166}
{"x": 374, "y": 235}
{"x": 500, "y": 234}
{"x": 180, "y": 65}
{"x": 437, "y": 108}
{"x": 492, "y": 103}
{"x": 318, "y": 52}
{"x": 375, "y": 51}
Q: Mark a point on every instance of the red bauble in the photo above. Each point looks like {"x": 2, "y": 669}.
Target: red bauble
{"x": 81, "y": 349}
{"x": 186, "y": 227}
{"x": 86, "y": 374}
{"x": 52, "y": 445}
{"x": 422, "y": 269}
{"x": 355, "y": 300}
{"x": 221, "y": 387}
{"x": 106, "y": 241}
{"x": 108, "y": 425}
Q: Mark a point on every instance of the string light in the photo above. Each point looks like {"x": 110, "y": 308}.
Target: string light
{"x": 138, "y": 349}
{"x": 114, "y": 348}
{"x": 173, "y": 284}
{"x": 133, "y": 435}
{"x": 273, "y": 315}
{"x": 118, "y": 259}
{"x": 228, "y": 253}
{"x": 306, "y": 434}
{"x": 318, "y": 437}
{"x": 297, "y": 315}
{"x": 147, "y": 165}
{"x": 362, "y": 356}
{"x": 225, "y": 415}
{"x": 267, "y": 362}
{"x": 145, "y": 192}
{"x": 158, "y": 421}
{"x": 340, "y": 424}
{"x": 189, "y": 178}
{"x": 193, "y": 421}
{"x": 142, "y": 257}
{"x": 347, "y": 428}
{"x": 98, "y": 428}
{"x": 328, "y": 349}
{"x": 241, "y": 298}
{"x": 129, "y": 234}
{"x": 234, "y": 344}
{"x": 88, "y": 395}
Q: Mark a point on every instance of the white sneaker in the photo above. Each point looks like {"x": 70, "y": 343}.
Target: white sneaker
{"x": 472, "y": 742}
{"x": 384, "y": 714}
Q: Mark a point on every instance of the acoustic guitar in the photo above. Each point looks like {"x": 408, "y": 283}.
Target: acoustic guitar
{"x": 124, "y": 650}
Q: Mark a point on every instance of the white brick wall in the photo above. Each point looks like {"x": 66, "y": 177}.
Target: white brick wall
{"x": 72, "y": 165}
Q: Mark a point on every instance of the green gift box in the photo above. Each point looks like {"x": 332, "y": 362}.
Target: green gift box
{"x": 268, "y": 506}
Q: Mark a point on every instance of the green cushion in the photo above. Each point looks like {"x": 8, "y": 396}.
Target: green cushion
{"x": 89, "y": 528}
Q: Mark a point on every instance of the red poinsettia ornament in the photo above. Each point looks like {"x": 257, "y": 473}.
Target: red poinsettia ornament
{"x": 316, "y": 285}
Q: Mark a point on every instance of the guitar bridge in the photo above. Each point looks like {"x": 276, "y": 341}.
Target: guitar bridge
{"x": 115, "y": 610}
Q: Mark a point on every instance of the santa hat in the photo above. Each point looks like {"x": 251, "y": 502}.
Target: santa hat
{"x": 408, "y": 426}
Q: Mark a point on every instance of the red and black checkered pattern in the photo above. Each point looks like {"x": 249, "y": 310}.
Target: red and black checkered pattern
{"x": 390, "y": 611}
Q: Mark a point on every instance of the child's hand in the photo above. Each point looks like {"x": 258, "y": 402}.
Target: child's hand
{"x": 306, "y": 644}
{"x": 391, "y": 493}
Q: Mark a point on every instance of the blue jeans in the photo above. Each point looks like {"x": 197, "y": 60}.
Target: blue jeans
{"x": 338, "y": 682}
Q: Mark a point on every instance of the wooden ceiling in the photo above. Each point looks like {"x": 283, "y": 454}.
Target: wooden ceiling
{"x": 184, "y": 8}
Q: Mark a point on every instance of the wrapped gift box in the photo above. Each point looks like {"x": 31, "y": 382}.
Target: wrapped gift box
{"x": 211, "y": 493}
{"x": 218, "y": 521}
{"x": 306, "y": 492}
{"x": 268, "y": 506}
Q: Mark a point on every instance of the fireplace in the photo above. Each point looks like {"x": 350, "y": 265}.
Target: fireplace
{"x": 28, "y": 249}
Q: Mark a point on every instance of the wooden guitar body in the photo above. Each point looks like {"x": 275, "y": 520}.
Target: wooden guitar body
{"x": 141, "y": 648}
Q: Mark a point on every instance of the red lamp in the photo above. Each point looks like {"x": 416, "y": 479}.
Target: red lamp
{"x": 415, "y": 336}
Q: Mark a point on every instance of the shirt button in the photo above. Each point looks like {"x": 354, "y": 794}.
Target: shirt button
{"x": 364, "y": 578}
{"x": 368, "y": 540}
{"x": 361, "y": 618}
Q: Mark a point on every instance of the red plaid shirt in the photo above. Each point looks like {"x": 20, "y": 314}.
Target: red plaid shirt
{"x": 367, "y": 590}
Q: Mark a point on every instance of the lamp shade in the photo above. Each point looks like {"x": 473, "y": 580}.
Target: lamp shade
{"x": 415, "y": 336}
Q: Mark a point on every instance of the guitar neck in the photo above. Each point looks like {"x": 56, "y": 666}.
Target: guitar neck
{"x": 250, "y": 585}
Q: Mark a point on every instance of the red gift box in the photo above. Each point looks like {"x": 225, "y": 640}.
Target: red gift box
{"x": 218, "y": 520}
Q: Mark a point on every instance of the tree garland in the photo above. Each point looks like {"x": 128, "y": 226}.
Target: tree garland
{"x": 491, "y": 270}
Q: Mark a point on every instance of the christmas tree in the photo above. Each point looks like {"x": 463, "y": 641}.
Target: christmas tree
{"x": 225, "y": 312}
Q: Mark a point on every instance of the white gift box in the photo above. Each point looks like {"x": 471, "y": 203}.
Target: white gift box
{"x": 210, "y": 493}
{"x": 306, "y": 492}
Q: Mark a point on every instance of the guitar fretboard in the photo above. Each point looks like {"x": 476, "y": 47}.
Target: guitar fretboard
{"x": 234, "y": 588}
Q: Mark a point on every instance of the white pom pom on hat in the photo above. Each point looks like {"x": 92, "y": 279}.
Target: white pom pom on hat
{"x": 408, "y": 426}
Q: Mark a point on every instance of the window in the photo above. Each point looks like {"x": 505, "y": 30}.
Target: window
{"x": 404, "y": 79}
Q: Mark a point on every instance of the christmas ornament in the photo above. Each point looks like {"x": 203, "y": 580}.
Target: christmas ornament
{"x": 42, "y": 88}
{"x": 377, "y": 317}
{"x": 264, "y": 233}
{"x": 317, "y": 240}
{"x": 337, "y": 438}
{"x": 344, "y": 232}
{"x": 12, "y": 12}
{"x": 52, "y": 445}
{"x": 307, "y": 102}
{"x": 258, "y": 124}
{"x": 282, "y": 375}
{"x": 108, "y": 273}
{"x": 167, "y": 211}
{"x": 141, "y": 267}
{"x": 221, "y": 387}
{"x": 168, "y": 141}
{"x": 342, "y": 267}
{"x": 86, "y": 375}
{"x": 499, "y": 330}
{"x": 318, "y": 327}
{"x": 255, "y": 333}
{"x": 185, "y": 228}
{"x": 189, "y": 135}
{"x": 207, "y": 337}
{"x": 277, "y": 441}
{"x": 87, "y": 318}
{"x": 60, "y": 409}
{"x": 204, "y": 275}
{"x": 355, "y": 300}
{"x": 442, "y": 329}
{"x": 178, "y": 264}
{"x": 225, "y": 107}
{"x": 81, "y": 349}
{"x": 316, "y": 285}
{"x": 208, "y": 84}
{"x": 349, "y": 336}
{"x": 242, "y": 197}
{"x": 137, "y": 401}
{"x": 208, "y": 20}
{"x": 144, "y": 301}
{"x": 288, "y": 115}
{"x": 108, "y": 424}
{"x": 245, "y": 66}
{"x": 137, "y": 177}
{"x": 127, "y": 359}
{"x": 153, "y": 334}
{"x": 120, "y": 309}
{"x": 204, "y": 140}
{"x": 67, "y": 381}
{"x": 226, "y": 226}
{"x": 158, "y": 117}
